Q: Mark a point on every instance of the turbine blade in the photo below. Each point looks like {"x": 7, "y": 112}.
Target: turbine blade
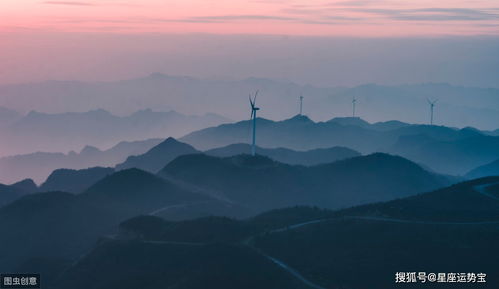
{"x": 254, "y": 99}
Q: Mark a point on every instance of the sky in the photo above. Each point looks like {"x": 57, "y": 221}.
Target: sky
{"x": 305, "y": 41}
{"x": 291, "y": 17}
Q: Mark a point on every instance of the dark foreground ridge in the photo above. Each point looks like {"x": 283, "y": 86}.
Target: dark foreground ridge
{"x": 303, "y": 247}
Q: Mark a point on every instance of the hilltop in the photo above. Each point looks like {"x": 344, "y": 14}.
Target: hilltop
{"x": 69, "y": 131}
{"x": 262, "y": 183}
{"x": 444, "y": 149}
{"x": 40, "y": 165}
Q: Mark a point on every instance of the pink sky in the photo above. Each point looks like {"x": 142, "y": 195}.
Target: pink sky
{"x": 300, "y": 17}
{"x": 116, "y": 39}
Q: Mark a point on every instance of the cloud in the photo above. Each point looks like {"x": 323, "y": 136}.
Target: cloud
{"x": 69, "y": 3}
{"x": 322, "y": 20}
{"x": 363, "y": 9}
{"x": 229, "y": 18}
{"x": 353, "y": 3}
{"x": 303, "y": 11}
{"x": 101, "y": 20}
{"x": 432, "y": 14}
{"x": 268, "y": 1}
{"x": 314, "y": 14}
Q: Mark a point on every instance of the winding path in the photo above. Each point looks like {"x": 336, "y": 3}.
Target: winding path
{"x": 402, "y": 221}
{"x": 293, "y": 272}
{"x": 480, "y": 189}
{"x": 166, "y": 208}
{"x": 286, "y": 267}
{"x": 173, "y": 243}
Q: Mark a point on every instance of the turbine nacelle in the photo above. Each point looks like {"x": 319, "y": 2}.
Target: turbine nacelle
{"x": 432, "y": 103}
{"x": 252, "y": 104}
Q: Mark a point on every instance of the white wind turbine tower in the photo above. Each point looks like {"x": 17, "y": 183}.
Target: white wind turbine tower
{"x": 432, "y": 106}
{"x": 354, "y": 101}
{"x": 253, "y": 117}
{"x": 301, "y": 104}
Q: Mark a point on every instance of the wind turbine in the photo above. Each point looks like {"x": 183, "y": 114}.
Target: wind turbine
{"x": 301, "y": 104}
{"x": 354, "y": 101}
{"x": 253, "y": 117}
{"x": 432, "y": 105}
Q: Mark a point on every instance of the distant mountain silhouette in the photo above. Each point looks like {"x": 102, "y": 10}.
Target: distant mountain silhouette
{"x": 157, "y": 157}
{"x": 99, "y": 128}
{"x": 297, "y": 133}
{"x": 133, "y": 191}
{"x": 8, "y": 116}
{"x": 379, "y": 126}
{"x": 27, "y": 185}
{"x": 443, "y": 149}
{"x": 160, "y": 155}
{"x": 279, "y": 99}
{"x": 452, "y": 156}
{"x": 40, "y": 165}
{"x": 263, "y": 184}
{"x": 490, "y": 169}
{"x": 354, "y": 121}
{"x": 311, "y": 157}
{"x": 389, "y": 125}
{"x": 10, "y": 193}
{"x": 74, "y": 181}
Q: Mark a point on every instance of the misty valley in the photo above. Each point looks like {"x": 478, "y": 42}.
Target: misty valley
{"x": 302, "y": 204}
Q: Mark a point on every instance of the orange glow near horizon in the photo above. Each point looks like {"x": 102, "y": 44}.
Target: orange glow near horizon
{"x": 363, "y": 18}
